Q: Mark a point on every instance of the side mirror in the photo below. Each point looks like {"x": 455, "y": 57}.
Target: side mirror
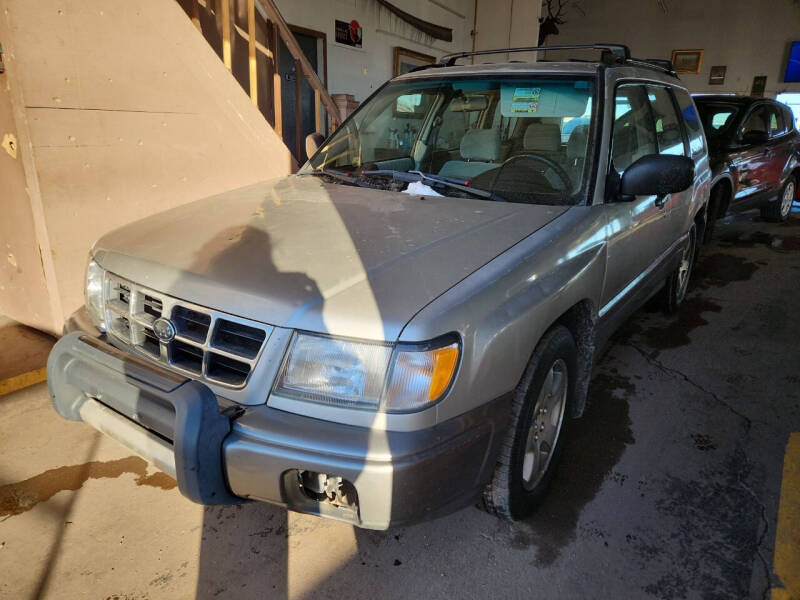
{"x": 313, "y": 142}
{"x": 657, "y": 175}
{"x": 755, "y": 138}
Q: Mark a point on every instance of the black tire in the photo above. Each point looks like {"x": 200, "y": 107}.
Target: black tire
{"x": 779, "y": 210}
{"x": 713, "y": 212}
{"x": 506, "y": 495}
{"x": 677, "y": 285}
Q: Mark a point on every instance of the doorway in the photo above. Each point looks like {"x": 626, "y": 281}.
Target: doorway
{"x": 300, "y": 108}
{"x": 793, "y": 102}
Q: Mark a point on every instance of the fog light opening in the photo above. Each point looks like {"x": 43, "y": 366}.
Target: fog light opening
{"x": 330, "y": 489}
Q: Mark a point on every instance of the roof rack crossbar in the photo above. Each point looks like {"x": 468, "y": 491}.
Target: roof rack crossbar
{"x": 618, "y": 51}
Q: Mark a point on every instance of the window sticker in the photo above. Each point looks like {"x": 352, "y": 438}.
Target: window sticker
{"x": 524, "y": 107}
{"x": 551, "y": 99}
{"x": 526, "y": 94}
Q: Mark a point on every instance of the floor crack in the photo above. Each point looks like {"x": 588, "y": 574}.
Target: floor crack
{"x": 676, "y": 373}
{"x": 760, "y": 541}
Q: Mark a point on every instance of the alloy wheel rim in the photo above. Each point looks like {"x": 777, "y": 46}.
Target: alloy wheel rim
{"x": 548, "y": 416}
{"x": 684, "y": 270}
{"x": 788, "y": 198}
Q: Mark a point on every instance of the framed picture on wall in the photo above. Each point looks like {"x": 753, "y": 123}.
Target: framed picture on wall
{"x": 759, "y": 85}
{"x": 717, "y": 75}
{"x": 405, "y": 60}
{"x": 687, "y": 61}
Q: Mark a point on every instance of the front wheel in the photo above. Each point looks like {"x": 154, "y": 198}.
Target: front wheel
{"x": 678, "y": 282}
{"x": 779, "y": 210}
{"x": 540, "y": 416}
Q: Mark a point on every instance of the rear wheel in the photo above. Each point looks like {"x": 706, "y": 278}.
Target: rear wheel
{"x": 539, "y": 420}
{"x": 780, "y": 209}
{"x": 678, "y": 282}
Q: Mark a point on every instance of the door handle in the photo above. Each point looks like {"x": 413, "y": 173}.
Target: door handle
{"x": 661, "y": 201}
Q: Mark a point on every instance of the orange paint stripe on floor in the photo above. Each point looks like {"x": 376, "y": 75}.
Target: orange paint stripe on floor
{"x": 12, "y": 384}
{"x": 786, "y": 562}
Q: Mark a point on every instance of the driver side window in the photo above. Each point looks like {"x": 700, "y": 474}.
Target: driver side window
{"x": 757, "y": 121}
{"x": 634, "y": 135}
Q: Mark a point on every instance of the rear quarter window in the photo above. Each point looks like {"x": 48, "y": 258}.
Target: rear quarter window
{"x": 694, "y": 128}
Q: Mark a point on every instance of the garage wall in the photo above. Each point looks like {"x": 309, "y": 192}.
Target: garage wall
{"x": 121, "y": 109}
{"x": 359, "y": 71}
{"x": 750, "y": 38}
{"x": 506, "y": 24}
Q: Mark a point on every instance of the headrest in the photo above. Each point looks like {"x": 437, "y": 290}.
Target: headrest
{"x": 544, "y": 137}
{"x": 576, "y": 146}
{"x": 481, "y": 144}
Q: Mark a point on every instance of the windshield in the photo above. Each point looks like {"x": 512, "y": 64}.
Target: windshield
{"x": 717, "y": 117}
{"x": 518, "y": 140}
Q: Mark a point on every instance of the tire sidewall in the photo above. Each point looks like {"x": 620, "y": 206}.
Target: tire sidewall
{"x": 522, "y": 502}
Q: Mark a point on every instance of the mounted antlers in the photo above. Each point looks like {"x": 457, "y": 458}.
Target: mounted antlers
{"x": 548, "y": 24}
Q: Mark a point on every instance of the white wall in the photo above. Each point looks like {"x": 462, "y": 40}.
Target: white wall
{"x": 507, "y": 24}
{"x": 749, "y": 37}
{"x": 360, "y": 71}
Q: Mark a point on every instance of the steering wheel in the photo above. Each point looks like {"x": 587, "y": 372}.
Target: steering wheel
{"x": 559, "y": 170}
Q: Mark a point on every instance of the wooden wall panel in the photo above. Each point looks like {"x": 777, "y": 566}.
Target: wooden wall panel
{"x": 130, "y": 112}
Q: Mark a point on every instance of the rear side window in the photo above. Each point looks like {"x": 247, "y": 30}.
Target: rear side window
{"x": 694, "y": 129}
{"x": 634, "y": 135}
{"x": 776, "y": 126}
{"x": 668, "y": 128}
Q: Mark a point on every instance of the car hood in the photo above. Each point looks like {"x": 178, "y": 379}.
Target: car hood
{"x": 302, "y": 253}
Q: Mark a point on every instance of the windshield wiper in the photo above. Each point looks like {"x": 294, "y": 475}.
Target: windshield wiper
{"x": 412, "y": 176}
{"x": 338, "y": 175}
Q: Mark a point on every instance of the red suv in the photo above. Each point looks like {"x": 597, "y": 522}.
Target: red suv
{"x": 754, "y": 148}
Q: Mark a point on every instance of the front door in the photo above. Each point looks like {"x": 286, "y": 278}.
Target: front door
{"x": 297, "y": 111}
{"x": 751, "y": 161}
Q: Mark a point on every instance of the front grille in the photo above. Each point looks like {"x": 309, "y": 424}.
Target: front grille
{"x": 208, "y": 344}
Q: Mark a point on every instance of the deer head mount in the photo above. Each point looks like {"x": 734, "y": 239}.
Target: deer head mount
{"x": 553, "y": 12}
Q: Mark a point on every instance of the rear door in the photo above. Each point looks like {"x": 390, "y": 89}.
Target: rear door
{"x": 637, "y": 230}
{"x": 779, "y": 149}
{"x": 671, "y": 139}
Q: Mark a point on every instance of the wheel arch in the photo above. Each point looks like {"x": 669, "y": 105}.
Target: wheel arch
{"x": 581, "y": 321}
{"x": 721, "y": 196}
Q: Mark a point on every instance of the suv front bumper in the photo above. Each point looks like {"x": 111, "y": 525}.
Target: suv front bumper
{"x": 222, "y": 453}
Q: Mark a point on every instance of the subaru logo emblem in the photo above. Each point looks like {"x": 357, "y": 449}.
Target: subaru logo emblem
{"x": 164, "y": 329}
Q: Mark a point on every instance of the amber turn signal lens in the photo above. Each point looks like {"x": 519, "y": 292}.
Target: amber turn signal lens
{"x": 444, "y": 366}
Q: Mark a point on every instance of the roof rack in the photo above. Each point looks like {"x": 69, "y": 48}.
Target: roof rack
{"x": 665, "y": 66}
{"x": 612, "y": 53}
{"x": 619, "y": 52}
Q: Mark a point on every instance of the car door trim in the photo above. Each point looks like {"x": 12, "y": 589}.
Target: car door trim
{"x": 643, "y": 275}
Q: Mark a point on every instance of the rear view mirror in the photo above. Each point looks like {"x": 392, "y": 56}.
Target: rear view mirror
{"x": 313, "y": 142}
{"x": 755, "y": 138}
{"x": 657, "y": 175}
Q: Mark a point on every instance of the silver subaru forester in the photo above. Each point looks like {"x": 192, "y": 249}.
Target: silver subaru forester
{"x": 408, "y": 323}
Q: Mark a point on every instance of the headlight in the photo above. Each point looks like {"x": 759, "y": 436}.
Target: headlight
{"x": 95, "y": 296}
{"x": 354, "y": 374}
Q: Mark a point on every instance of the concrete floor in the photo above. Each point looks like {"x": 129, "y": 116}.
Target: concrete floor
{"x": 22, "y": 349}
{"x": 669, "y": 486}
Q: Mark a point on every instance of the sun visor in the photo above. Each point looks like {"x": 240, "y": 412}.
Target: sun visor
{"x": 552, "y": 99}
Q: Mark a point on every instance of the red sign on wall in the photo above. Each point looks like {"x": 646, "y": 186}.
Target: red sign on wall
{"x": 348, "y": 34}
